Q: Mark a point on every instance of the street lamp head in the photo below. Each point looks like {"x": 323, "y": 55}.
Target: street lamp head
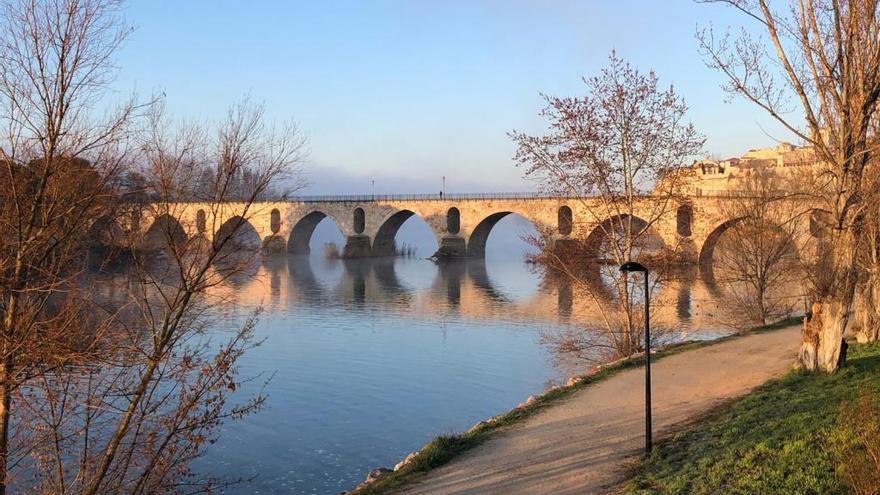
{"x": 632, "y": 266}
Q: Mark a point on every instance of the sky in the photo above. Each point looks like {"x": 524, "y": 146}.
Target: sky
{"x": 404, "y": 93}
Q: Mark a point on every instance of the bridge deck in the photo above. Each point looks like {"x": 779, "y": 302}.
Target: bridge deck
{"x": 365, "y": 198}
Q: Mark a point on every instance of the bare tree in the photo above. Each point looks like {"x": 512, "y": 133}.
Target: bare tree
{"x": 627, "y": 144}
{"x": 156, "y": 403}
{"x": 825, "y": 56}
{"x": 117, "y": 396}
{"x": 866, "y": 303}
{"x": 756, "y": 259}
{"x": 59, "y": 164}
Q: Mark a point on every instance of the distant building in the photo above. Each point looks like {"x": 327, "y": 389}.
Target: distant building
{"x": 714, "y": 177}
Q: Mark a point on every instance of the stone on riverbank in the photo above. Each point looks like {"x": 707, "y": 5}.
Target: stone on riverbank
{"x": 573, "y": 380}
{"x": 477, "y": 426}
{"x": 405, "y": 461}
{"x": 528, "y": 402}
{"x": 373, "y": 476}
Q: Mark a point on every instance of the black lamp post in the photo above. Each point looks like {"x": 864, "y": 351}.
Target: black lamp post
{"x": 632, "y": 266}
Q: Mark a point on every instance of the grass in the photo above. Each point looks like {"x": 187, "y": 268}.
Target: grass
{"x": 444, "y": 448}
{"x": 772, "y": 441}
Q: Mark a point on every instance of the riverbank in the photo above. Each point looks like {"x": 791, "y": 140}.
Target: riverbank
{"x": 546, "y": 436}
{"x": 780, "y": 439}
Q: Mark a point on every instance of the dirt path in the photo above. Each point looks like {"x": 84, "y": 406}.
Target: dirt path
{"x": 580, "y": 445}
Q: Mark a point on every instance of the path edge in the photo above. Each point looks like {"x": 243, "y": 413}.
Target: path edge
{"x": 445, "y": 448}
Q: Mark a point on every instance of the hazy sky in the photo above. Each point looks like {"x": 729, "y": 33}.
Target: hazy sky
{"x": 406, "y": 92}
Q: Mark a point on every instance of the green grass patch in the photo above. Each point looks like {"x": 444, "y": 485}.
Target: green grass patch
{"x": 772, "y": 441}
{"x": 444, "y": 448}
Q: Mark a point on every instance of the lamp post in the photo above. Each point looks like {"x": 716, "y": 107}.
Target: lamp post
{"x": 628, "y": 267}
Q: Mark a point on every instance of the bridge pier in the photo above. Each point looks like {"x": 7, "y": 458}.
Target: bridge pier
{"x": 357, "y": 246}
{"x": 451, "y": 246}
{"x": 563, "y": 246}
{"x": 687, "y": 251}
{"x": 274, "y": 244}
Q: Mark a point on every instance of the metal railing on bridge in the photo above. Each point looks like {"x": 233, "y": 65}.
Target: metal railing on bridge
{"x": 367, "y": 198}
{"x": 363, "y": 198}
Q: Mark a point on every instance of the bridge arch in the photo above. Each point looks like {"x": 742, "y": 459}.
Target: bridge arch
{"x": 476, "y": 246}
{"x": 708, "y": 249}
{"x": 384, "y": 239}
{"x": 706, "y": 261}
{"x": 165, "y": 231}
{"x": 749, "y": 244}
{"x": 597, "y": 237}
{"x": 239, "y": 234}
{"x": 301, "y": 234}
{"x": 106, "y": 232}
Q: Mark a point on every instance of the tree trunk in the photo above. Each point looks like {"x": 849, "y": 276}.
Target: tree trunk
{"x": 831, "y": 328}
{"x": 823, "y": 336}
{"x": 867, "y": 311}
{"x": 5, "y": 403}
{"x": 810, "y": 338}
{"x": 837, "y": 274}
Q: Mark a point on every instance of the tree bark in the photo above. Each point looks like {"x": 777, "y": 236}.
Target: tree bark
{"x": 867, "y": 311}
{"x": 5, "y": 403}
{"x": 832, "y": 326}
{"x": 810, "y": 338}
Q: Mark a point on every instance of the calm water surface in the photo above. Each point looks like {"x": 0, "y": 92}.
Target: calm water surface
{"x": 371, "y": 359}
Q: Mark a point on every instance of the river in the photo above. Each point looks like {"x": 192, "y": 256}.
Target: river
{"x": 371, "y": 359}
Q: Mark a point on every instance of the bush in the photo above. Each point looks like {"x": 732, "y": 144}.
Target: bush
{"x": 331, "y": 251}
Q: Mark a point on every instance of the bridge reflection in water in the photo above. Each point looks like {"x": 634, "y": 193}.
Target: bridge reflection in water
{"x": 690, "y": 306}
{"x": 372, "y": 357}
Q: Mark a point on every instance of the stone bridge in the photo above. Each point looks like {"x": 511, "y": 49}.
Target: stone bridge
{"x": 461, "y": 223}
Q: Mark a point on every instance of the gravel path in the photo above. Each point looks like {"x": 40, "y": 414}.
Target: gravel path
{"x": 581, "y": 445}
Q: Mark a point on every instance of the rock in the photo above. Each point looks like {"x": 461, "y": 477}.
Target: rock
{"x": 494, "y": 419}
{"x": 573, "y": 380}
{"x": 528, "y": 402}
{"x": 477, "y": 426}
{"x": 405, "y": 461}
{"x": 376, "y": 474}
